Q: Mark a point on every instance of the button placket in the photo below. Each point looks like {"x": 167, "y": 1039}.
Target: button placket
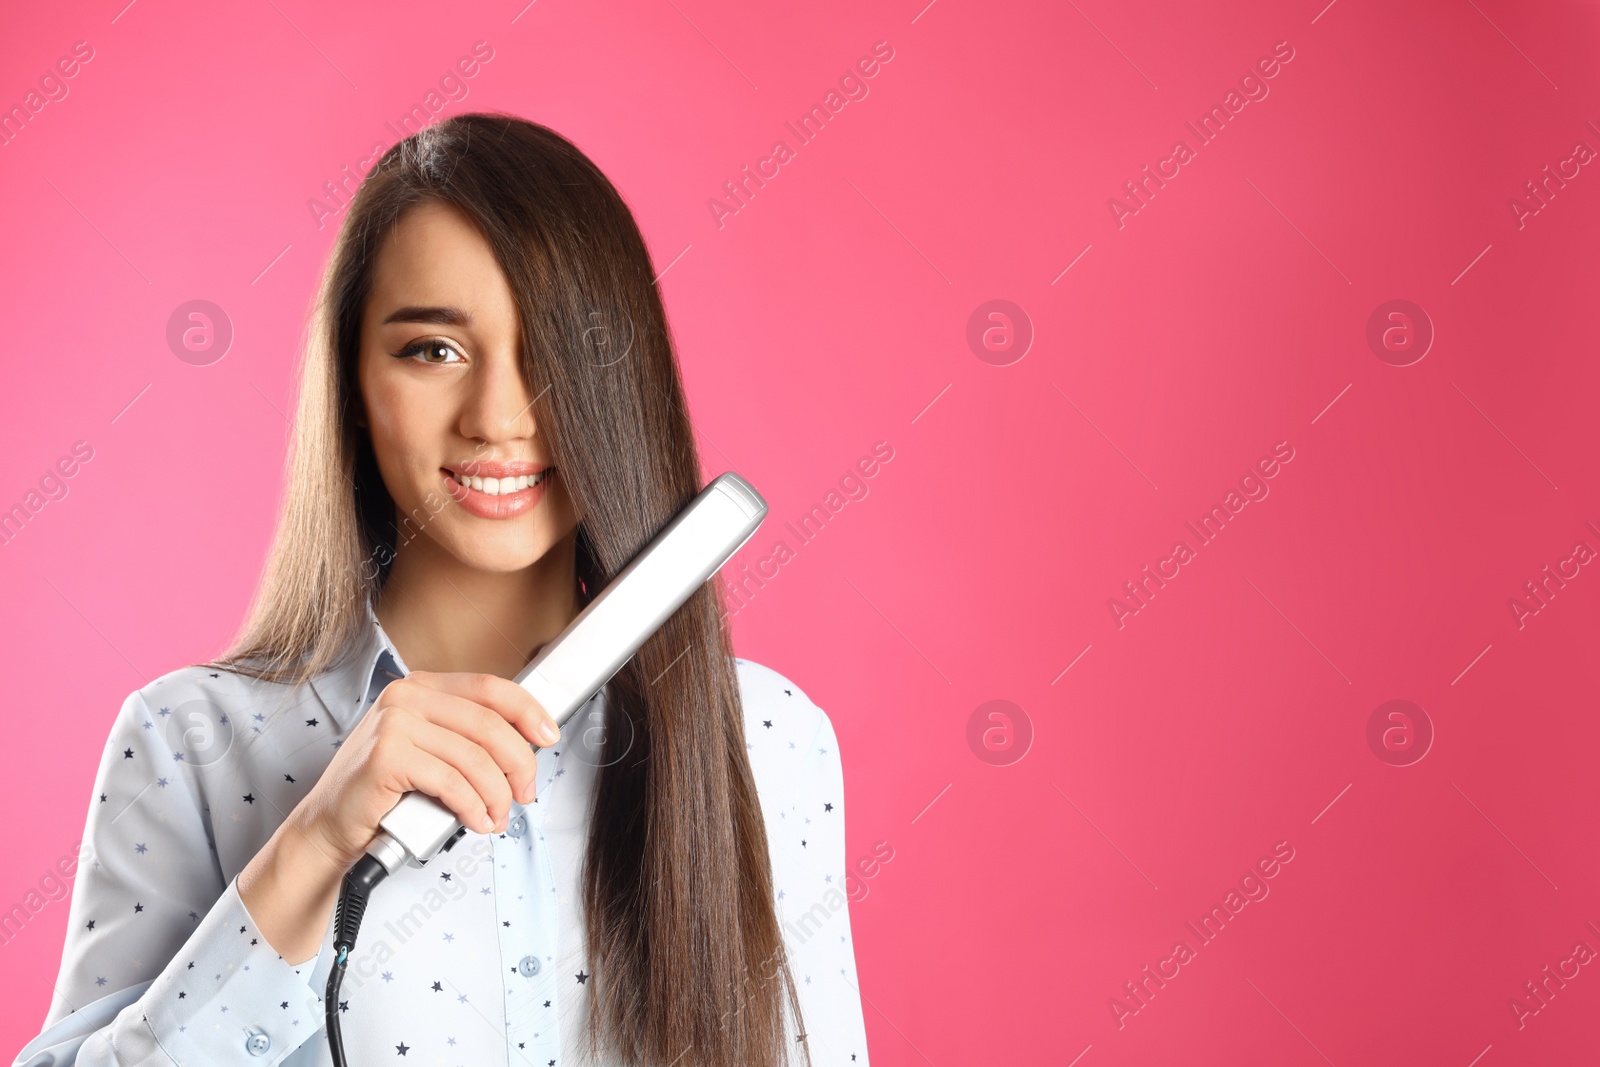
{"x": 524, "y": 899}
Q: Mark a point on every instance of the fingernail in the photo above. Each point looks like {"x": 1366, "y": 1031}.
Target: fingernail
{"x": 548, "y": 733}
{"x": 487, "y": 825}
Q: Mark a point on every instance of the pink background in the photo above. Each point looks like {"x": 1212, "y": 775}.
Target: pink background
{"x": 831, "y": 312}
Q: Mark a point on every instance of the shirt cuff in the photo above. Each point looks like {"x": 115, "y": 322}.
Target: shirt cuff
{"x": 227, "y": 997}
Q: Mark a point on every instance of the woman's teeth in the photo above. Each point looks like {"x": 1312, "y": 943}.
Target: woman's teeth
{"x": 499, "y": 486}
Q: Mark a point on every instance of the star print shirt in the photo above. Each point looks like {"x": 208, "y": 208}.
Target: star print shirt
{"x": 476, "y": 958}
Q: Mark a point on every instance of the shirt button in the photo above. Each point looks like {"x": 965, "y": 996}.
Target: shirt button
{"x": 518, "y": 826}
{"x": 257, "y": 1043}
{"x": 528, "y": 966}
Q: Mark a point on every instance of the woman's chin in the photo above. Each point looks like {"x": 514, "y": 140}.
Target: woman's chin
{"x": 511, "y": 548}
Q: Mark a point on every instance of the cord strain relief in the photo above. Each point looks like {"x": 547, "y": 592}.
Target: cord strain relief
{"x": 358, "y": 883}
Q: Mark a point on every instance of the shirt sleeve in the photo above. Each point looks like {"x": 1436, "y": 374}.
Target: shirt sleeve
{"x": 817, "y": 926}
{"x": 162, "y": 963}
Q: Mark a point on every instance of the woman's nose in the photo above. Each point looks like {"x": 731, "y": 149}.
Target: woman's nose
{"x": 499, "y": 404}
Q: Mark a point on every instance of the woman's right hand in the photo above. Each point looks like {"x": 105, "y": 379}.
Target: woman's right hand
{"x": 462, "y": 738}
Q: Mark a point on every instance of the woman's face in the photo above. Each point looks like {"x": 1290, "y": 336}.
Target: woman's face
{"x": 451, "y": 419}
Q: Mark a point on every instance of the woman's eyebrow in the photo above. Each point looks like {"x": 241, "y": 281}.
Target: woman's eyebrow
{"x": 443, "y": 316}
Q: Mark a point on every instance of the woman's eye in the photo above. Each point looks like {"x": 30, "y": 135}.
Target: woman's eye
{"x": 435, "y": 352}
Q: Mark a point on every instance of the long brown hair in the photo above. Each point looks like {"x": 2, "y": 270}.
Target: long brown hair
{"x": 683, "y": 939}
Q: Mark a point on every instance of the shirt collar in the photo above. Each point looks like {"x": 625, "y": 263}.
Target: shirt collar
{"x": 347, "y": 688}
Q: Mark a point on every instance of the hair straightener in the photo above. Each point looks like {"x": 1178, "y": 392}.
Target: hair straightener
{"x": 566, "y": 673}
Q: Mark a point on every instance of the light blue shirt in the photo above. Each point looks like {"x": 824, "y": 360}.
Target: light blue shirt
{"x": 477, "y": 958}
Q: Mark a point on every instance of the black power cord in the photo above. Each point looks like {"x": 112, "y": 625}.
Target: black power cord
{"x": 358, "y": 883}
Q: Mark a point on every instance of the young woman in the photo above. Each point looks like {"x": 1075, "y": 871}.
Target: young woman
{"x": 490, "y": 424}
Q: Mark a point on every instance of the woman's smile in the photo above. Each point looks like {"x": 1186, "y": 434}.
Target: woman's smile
{"x": 497, "y": 490}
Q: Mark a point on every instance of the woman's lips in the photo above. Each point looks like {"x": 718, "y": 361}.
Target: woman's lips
{"x": 496, "y": 506}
